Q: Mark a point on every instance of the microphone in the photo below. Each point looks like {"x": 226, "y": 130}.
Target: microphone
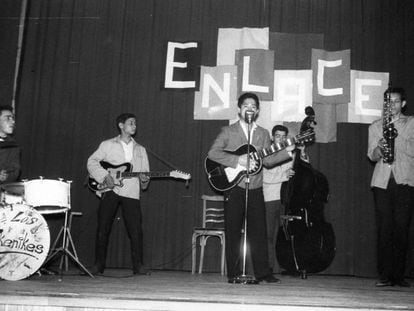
{"x": 249, "y": 116}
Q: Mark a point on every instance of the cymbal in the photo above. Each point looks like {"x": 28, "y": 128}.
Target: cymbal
{"x": 16, "y": 188}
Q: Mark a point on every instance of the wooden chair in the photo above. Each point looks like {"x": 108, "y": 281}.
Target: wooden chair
{"x": 212, "y": 226}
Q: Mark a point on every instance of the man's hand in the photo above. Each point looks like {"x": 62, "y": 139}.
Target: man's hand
{"x": 303, "y": 155}
{"x": 144, "y": 178}
{"x": 243, "y": 162}
{"x": 381, "y": 148}
{"x": 290, "y": 148}
{"x": 109, "y": 181}
{"x": 382, "y": 144}
{"x": 290, "y": 172}
{"x": 3, "y": 175}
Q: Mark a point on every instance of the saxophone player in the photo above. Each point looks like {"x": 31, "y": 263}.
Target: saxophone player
{"x": 393, "y": 186}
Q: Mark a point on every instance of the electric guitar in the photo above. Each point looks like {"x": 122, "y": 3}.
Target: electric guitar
{"x": 122, "y": 171}
{"x": 224, "y": 178}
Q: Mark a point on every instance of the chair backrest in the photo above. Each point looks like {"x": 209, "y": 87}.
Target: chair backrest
{"x": 213, "y": 216}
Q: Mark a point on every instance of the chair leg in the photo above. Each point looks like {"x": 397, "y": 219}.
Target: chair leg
{"x": 194, "y": 253}
{"x": 203, "y": 241}
{"x": 223, "y": 256}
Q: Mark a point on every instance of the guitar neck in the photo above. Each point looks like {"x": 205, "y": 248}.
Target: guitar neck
{"x": 260, "y": 154}
{"x": 150, "y": 174}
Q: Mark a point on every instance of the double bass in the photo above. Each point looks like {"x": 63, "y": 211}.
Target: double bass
{"x": 305, "y": 241}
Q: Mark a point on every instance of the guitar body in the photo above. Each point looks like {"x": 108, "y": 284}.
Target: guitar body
{"x": 115, "y": 171}
{"x": 224, "y": 178}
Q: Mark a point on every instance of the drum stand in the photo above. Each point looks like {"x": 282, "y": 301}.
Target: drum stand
{"x": 67, "y": 249}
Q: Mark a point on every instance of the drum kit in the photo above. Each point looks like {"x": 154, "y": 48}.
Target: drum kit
{"x": 24, "y": 232}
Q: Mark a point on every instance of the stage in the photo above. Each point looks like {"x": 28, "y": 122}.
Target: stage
{"x": 117, "y": 289}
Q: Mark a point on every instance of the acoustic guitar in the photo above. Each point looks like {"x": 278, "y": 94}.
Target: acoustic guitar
{"x": 224, "y": 178}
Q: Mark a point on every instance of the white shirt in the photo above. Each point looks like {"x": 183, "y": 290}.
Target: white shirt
{"x": 128, "y": 150}
{"x": 244, "y": 128}
{"x": 273, "y": 179}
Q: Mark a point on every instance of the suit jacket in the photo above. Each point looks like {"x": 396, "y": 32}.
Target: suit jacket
{"x": 232, "y": 137}
{"x": 10, "y": 159}
{"x": 403, "y": 167}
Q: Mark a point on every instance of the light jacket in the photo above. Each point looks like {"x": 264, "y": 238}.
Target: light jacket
{"x": 111, "y": 151}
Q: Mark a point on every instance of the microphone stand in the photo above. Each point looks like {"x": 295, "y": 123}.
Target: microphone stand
{"x": 246, "y": 279}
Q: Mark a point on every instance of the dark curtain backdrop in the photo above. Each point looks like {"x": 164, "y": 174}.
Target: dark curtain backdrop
{"x": 86, "y": 61}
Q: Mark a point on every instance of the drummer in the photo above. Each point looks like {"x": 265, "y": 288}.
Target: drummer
{"x": 9, "y": 150}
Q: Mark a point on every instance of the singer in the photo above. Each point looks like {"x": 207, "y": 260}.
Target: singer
{"x": 230, "y": 138}
{"x": 393, "y": 188}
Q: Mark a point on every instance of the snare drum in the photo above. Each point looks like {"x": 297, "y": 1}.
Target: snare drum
{"x": 48, "y": 196}
{"x": 12, "y": 193}
{"x": 9, "y": 198}
{"x": 24, "y": 241}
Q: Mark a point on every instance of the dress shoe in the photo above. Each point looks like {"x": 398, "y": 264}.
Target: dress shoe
{"x": 384, "y": 282}
{"x": 243, "y": 280}
{"x": 269, "y": 279}
{"x": 142, "y": 270}
{"x": 402, "y": 283}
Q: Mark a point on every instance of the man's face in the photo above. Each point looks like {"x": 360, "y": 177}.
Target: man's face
{"x": 129, "y": 127}
{"x": 248, "y": 104}
{"x": 280, "y": 136}
{"x": 396, "y": 103}
{"x": 6, "y": 123}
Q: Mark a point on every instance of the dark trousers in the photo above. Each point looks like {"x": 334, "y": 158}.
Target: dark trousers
{"x": 131, "y": 212}
{"x": 394, "y": 208}
{"x": 273, "y": 211}
{"x": 256, "y": 231}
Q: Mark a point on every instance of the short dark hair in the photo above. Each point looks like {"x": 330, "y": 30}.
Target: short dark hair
{"x": 245, "y": 96}
{"x": 6, "y": 108}
{"x": 398, "y": 90}
{"x": 279, "y": 128}
{"x": 123, "y": 117}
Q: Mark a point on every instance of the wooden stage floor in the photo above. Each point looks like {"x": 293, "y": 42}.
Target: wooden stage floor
{"x": 166, "y": 290}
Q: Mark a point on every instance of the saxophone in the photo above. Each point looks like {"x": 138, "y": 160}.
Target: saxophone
{"x": 389, "y": 132}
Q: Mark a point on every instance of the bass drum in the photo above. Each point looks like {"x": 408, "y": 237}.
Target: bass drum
{"x": 24, "y": 241}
